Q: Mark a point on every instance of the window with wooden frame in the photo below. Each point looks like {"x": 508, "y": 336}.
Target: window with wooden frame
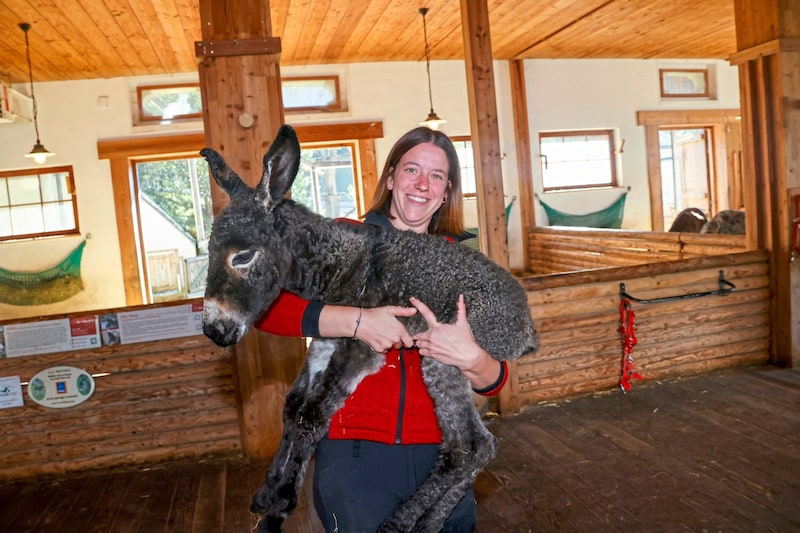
{"x": 684, "y": 82}
{"x": 577, "y": 159}
{"x": 311, "y": 94}
{"x": 178, "y": 101}
{"x": 38, "y": 203}
{"x": 466, "y": 162}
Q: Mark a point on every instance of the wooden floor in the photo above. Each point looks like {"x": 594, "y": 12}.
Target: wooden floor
{"x": 720, "y": 452}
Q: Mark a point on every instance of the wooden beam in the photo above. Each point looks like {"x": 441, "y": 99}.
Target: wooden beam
{"x": 486, "y": 150}
{"x": 768, "y": 37}
{"x": 522, "y": 140}
{"x": 242, "y": 111}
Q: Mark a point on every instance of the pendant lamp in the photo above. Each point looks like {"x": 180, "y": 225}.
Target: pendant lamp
{"x": 39, "y": 153}
{"x": 433, "y": 121}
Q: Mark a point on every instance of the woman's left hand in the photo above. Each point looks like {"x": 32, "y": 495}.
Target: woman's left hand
{"x": 453, "y": 344}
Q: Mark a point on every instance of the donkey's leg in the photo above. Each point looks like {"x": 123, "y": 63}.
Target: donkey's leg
{"x": 467, "y": 446}
{"x": 332, "y": 370}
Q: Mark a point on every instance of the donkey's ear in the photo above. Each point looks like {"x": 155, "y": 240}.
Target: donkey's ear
{"x": 226, "y": 178}
{"x": 280, "y": 167}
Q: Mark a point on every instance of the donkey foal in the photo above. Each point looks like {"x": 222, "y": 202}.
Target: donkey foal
{"x": 262, "y": 243}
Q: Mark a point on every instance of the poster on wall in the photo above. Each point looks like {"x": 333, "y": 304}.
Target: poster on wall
{"x": 10, "y": 392}
{"x": 61, "y": 386}
{"x": 152, "y": 324}
{"x": 49, "y": 336}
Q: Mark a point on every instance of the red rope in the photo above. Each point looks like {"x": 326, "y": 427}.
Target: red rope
{"x": 626, "y": 329}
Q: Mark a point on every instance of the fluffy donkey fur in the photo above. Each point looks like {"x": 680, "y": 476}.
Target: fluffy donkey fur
{"x": 262, "y": 243}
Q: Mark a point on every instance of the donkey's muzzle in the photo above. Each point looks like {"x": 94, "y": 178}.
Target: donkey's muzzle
{"x": 222, "y": 333}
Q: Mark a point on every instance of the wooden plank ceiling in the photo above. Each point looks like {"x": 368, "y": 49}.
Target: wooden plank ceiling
{"x": 82, "y": 39}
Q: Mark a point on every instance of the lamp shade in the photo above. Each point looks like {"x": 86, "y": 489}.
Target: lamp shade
{"x": 39, "y": 153}
{"x": 433, "y": 121}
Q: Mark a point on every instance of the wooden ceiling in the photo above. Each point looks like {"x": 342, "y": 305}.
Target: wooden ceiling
{"x": 82, "y": 39}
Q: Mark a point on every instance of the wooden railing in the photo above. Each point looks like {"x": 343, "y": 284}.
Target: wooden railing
{"x": 554, "y": 249}
{"x": 578, "y": 317}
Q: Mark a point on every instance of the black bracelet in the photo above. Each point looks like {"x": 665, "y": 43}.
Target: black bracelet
{"x": 494, "y": 385}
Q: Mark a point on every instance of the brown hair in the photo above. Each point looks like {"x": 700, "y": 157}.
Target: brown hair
{"x": 450, "y": 217}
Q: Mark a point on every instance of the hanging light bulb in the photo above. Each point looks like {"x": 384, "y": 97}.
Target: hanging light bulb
{"x": 39, "y": 153}
{"x": 433, "y": 121}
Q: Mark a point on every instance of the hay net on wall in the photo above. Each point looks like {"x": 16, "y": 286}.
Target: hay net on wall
{"x": 609, "y": 217}
{"x": 54, "y": 284}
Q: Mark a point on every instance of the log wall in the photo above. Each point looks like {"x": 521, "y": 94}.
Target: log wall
{"x": 578, "y": 317}
{"x": 563, "y": 249}
{"x": 162, "y": 400}
{"x": 153, "y": 401}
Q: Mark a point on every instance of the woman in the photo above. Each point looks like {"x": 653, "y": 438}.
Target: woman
{"x": 384, "y": 441}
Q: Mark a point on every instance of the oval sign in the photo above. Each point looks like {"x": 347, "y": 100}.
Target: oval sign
{"x": 61, "y": 386}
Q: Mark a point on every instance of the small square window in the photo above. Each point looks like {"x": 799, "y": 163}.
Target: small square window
{"x": 577, "y": 159}
{"x": 37, "y": 203}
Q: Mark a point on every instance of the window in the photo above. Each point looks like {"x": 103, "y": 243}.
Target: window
{"x": 683, "y": 83}
{"x": 577, "y": 159}
{"x": 158, "y": 103}
{"x": 325, "y": 182}
{"x": 311, "y": 94}
{"x": 466, "y": 164}
{"x": 180, "y": 101}
{"x": 37, "y": 203}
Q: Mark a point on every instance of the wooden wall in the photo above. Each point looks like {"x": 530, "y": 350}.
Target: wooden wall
{"x": 160, "y": 401}
{"x": 554, "y": 249}
{"x": 176, "y": 398}
{"x": 577, "y": 315}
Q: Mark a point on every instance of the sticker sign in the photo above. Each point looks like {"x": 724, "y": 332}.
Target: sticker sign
{"x": 61, "y": 386}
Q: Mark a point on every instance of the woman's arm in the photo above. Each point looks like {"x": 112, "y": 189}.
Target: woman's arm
{"x": 293, "y": 316}
{"x": 379, "y": 327}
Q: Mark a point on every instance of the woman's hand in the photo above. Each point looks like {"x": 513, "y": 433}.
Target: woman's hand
{"x": 378, "y": 327}
{"x": 453, "y": 344}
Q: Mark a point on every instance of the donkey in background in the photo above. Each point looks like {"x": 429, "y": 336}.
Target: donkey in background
{"x": 262, "y": 243}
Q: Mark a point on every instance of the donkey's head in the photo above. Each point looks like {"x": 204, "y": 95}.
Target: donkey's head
{"x": 247, "y": 259}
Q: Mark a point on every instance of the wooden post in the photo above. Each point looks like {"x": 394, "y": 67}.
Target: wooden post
{"x": 768, "y": 40}
{"x": 486, "y": 150}
{"x": 522, "y": 139}
{"x": 241, "y": 89}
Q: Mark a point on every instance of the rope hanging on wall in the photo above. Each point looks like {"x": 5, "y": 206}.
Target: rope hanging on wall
{"x": 54, "y": 284}
{"x": 610, "y": 217}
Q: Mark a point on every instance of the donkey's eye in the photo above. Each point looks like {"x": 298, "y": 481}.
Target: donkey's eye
{"x": 242, "y": 258}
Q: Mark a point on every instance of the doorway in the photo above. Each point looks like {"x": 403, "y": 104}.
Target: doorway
{"x": 693, "y": 156}
{"x": 687, "y": 172}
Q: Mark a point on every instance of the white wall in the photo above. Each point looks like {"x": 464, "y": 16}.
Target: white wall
{"x": 580, "y": 94}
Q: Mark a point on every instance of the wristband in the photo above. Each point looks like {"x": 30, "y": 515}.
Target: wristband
{"x": 499, "y": 382}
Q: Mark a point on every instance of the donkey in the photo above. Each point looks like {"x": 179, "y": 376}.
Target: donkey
{"x": 727, "y": 221}
{"x": 690, "y": 220}
{"x": 262, "y": 243}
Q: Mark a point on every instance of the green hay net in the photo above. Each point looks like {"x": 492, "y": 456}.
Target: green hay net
{"x": 55, "y": 284}
{"x": 610, "y": 217}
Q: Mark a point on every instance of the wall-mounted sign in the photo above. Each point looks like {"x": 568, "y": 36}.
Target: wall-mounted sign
{"x": 50, "y": 336}
{"x": 10, "y": 392}
{"x": 61, "y": 386}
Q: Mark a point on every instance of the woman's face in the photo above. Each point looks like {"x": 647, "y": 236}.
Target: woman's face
{"x": 419, "y": 184}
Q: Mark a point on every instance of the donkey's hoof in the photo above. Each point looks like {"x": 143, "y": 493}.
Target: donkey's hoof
{"x": 270, "y": 524}
{"x": 256, "y": 509}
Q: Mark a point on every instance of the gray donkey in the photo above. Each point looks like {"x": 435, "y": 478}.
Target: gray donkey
{"x": 262, "y": 243}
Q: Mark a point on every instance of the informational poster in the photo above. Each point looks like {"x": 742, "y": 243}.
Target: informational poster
{"x": 61, "y": 386}
{"x": 152, "y": 324}
{"x": 49, "y": 336}
{"x": 10, "y": 392}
